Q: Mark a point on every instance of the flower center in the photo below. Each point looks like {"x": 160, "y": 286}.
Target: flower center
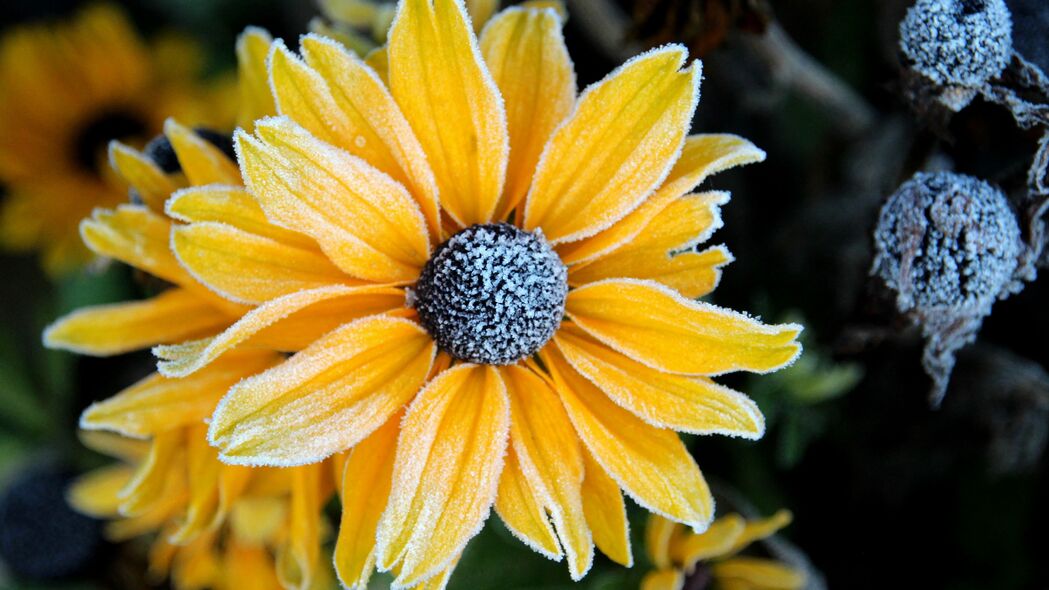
{"x": 492, "y": 294}
{"x": 91, "y": 140}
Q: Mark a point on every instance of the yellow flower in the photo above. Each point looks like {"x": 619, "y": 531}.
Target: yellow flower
{"x": 65, "y": 90}
{"x": 214, "y": 525}
{"x": 711, "y": 557}
{"x": 417, "y": 229}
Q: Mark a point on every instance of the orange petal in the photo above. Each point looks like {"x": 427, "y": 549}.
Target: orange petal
{"x": 665, "y": 250}
{"x": 365, "y": 488}
{"x": 298, "y": 319}
{"x": 702, "y": 156}
{"x": 660, "y": 533}
{"x": 658, "y": 327}
{"x": 606, "y": 513}
{"x": 526, "y": 54}
{"x": 326, "y": 398}
{"x": 366, "y": 222}
{"x": 341, "y": 101}
{"x": 202, "y": 162}
{"x": 147, "y": 488}
{"x": 449, "y": 457}
{"x": 551, "y": 458}
{"x": 685, "y": 404}
{"x": 95, "y": 493}
{"x": 716, "y": 541}
{"x": 256, "y": 100}
{"x": 148, "y": 180}
{"x": 135, "y": 235}
{"x": 755, "y": 530}
{"x": 248, "y": 268}
{"x": 751, "y": 572}
{"x": 378, "y": 59}
{"x": 157, "y": 403}
{"x": 448, "y": 96}
{"x": 616, "y": 148}
{"x": 103, "y": 330}
{"x": 667, "y": 579}
{"x": 518, "y": 506}
{"x": 649, "y": 464}
{"x": 297, "y": 558}
{"x": 232, "y": 205}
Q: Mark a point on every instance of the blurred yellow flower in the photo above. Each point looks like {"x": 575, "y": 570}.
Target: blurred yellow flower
{"x": 66, "y": 89}
{"x": 710, "y": 560}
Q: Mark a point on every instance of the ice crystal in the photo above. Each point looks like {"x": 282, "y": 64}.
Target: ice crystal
{"x": 959, "y": 42}
{"x": 492, "y": 294}
{"x": 948, "y": 245}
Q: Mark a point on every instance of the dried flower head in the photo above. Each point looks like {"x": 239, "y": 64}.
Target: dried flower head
{"x": 948, "y": 245}
{"x": 957, "y": 42}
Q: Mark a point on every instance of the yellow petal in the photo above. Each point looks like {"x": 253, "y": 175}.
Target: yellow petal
{"x": 480, "y": 12}
{"x": 606, "y": 514}
{"x": 551, "y": 458}
{"x": 667, "y": 579}
{"x": 152, "y": 185}
{"x": 686, "y": 404}
{"x": 202, "y": 162}
{"x": 526, "y": 54}
{"x": 135, "y": 235}
{"x": 157, "y": 403}
{"x": 756, "y": 530}
{"x": 448, "y": 96}
{"x": 126, "y": 449}
{"x": 365, "y": 488}
{"x": 449, "y": 457}
{"x": 257, "y": 519}
{"x": 297, "y": 558}
{"x": 649, "y": 464}
{"x": 96, "y": 492}
{"x": 304, "y": 314}
{"x": 202, "y": 468}
{"x": 326, "y": 398}
{"x": 378, "y": 59}
{"x": 249, "y": 566}
{"x": 256, "y": 100}
{"x": 234, "y": 206}
{"x": 104, "y": 330}
{"x": 519, "y": 508}
{"x": 248, "y": 268}
{"x": 759, "y": 573}
{"x": 665, "y": 250}
{"x": 147, "y": 488}
{"x": 616, "y": 148}
{"x": 659, "y": 328}
{"x": 702, "y": 156}
{"x": 659, "y": 535}
{"x": 716, "y": 541}
{"x": 366, "y": 222}
{"x": 340, "y": 100}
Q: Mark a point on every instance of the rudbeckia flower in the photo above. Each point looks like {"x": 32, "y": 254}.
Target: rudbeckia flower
{"x": 514, "y": 273}
{"x": 66, "y": 89}
{"x": 213, "y": 525}
{"x": 710, "y": 560}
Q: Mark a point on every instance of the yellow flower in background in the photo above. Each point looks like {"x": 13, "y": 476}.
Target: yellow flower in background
{"x": 444, "y": 223}
{"x": 213, "y": 525}
{"x": 710, "y": 560}
{"x": 66, "y": 89}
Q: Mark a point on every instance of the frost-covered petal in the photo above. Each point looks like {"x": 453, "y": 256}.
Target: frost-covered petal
{"x": 649, "y": 464}
{"x": 365, "y": 221}
{"x": 231, "y": 205}
{"x": 518, "y": 506}
{"x": 686, "y": 404}
{"x": 701, "y": 156}
{"x": 148, "y": 180}
{"x": 658, "y": 327}
{"x": 249, "y": 268}
{"x": 606, "y": 513}
{"x": 326, "y": 398}
{"x": 137, "y": 236}
{"x": 551, "y": 458}
{"x": 365, "y": 488}
{"x": 116, "y": 328}
{"x": 342, "y": 101}
{"x": 256, "y": 100}
{"x": 616, "y": 148}
{"x": 157, "y": 403}
{"x": 449, "y": 457}
{"x": 454, "y": 107}
{"x": 201, "y": 161}
{"x": 526, "y": 54}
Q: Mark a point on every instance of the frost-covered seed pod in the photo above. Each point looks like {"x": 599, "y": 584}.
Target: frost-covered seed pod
{"x": 960, "y": 42}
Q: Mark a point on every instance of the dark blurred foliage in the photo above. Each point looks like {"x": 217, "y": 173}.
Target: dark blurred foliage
{"x": 886, "y": 492}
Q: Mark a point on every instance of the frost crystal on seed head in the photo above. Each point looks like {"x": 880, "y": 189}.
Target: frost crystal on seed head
{"x": 492, "y": 294}
{"x": 963, "y": 42}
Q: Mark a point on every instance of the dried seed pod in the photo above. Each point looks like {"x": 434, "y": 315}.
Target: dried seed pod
{"x": 957, "y": 42}
{"x": 948, "y": 245}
